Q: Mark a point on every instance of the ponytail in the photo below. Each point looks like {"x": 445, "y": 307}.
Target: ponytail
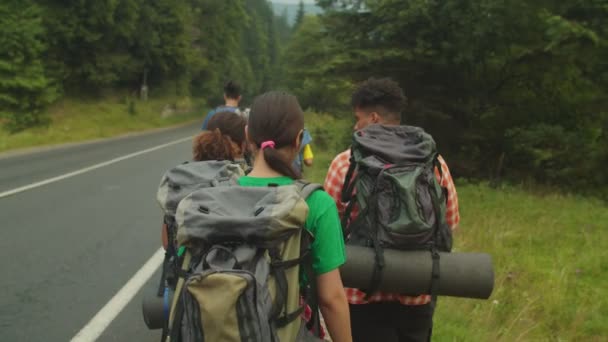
{"x": 277, "y": 162}
{"x": 275, "y": 121}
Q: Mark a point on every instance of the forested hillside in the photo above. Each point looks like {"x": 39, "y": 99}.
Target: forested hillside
{"x": 52, "y": 49}
{"x": 511, "y": 90}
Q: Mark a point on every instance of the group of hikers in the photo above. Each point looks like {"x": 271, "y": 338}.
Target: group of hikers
{"x": 232, "y": 99}
{"x": 270, "y": 144}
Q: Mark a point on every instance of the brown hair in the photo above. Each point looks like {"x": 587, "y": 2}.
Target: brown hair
{"x": 232, "y": 90}
{"x": 213, "y": 145}
{"x": 230, "y": 124}
{"x": 276, "y": 116}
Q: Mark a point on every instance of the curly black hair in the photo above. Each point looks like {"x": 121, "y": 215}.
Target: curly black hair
{"x": 232, "y": 90}
{"x": 382, "y": 95}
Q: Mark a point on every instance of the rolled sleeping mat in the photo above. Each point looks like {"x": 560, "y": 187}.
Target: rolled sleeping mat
{"x": 469, "y": 275}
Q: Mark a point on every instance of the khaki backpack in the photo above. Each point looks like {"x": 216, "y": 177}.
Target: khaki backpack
{"x": 247, "y": 250}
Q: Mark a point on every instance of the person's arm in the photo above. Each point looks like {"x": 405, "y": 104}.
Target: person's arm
{"x": 334, "y": 181}
{"x": 333, "y": 305}
{"x": 452, "y": 215}
{"x": 328, "y": 255}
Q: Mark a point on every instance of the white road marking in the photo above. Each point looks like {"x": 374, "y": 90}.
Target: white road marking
{"x": 108, "y": 313}
{"x": 90, "y": 168}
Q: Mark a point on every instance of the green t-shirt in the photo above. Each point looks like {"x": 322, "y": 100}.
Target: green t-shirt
{"x": 322, "y": 221}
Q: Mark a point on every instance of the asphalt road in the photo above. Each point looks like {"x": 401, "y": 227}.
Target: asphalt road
{"x": 67, "y": 247}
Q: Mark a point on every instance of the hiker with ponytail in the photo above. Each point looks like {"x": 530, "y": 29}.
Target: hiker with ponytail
{"x": 274, "y": 131}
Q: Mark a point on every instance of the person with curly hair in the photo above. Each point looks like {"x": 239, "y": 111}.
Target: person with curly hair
{"x": 224, "y": 139}
{"x": 386, "y": 316}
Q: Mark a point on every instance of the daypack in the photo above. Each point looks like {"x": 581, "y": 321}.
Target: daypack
{"x": 401, "y": 203}
{"x": 240, "y": 279}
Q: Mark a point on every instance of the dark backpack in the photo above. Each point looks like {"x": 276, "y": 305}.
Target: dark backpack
{"x": 402, "y": 204}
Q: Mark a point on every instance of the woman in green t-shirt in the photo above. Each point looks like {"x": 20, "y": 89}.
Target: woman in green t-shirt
{"x": 274, "y": 131}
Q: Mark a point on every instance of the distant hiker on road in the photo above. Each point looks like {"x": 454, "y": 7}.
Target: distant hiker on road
{"x": 232, "y": 97}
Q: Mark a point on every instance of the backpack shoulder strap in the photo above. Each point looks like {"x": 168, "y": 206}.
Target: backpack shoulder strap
{"x": 310, "y": 292}
{"x": 306, "y": 188}
{"x": 349, "y": 182}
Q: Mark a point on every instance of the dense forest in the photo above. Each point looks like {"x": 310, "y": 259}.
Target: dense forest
{"x": 59, "y": 48}
{"x": 511, "y": 90}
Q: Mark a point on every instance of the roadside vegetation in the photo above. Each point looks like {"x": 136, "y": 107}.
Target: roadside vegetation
{"x": 74, "y": 120}
{"x": 549, "y": 249}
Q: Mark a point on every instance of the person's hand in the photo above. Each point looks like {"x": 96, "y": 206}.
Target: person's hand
{"x": 308, "y": 162}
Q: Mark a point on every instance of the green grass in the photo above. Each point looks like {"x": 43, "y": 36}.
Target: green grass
{"x": 74, "y": 120}
{"x": 550, "y": 254}
{"x": 330, "y": 136}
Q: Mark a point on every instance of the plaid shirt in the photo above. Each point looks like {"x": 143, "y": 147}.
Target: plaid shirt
{"x": 333, "y": 186}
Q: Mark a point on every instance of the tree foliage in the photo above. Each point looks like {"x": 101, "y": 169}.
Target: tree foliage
{"x": 308, "y": 60}
{"x": 185, "y": 48}
{"x": 24, "y": 86}
{"x": 515, "y": 88}
{"x": 299, "y": 15}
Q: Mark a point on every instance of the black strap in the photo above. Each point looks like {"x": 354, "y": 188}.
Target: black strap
{"x": 292, "y": 262}
{"x": 182, "y": 273}
{"x": 288, "y": 318}
{"x": 346, "y": 219}
{"x": 166, "y": 264}
{"x": 375, "y": 240}
{"x": 175, "y": 330}
{"x": 435, "y": 272}
{"x": 437, "y": 164}
{"x": 282, "y": 292}
{"x": 281, "y": 282}
{"x": 170, "y": 252}
{"x": 438, "y": 219}
{"x": 378, "y": 269}
{"x": 347, "y": 187}
{"x": 310, "y": 291}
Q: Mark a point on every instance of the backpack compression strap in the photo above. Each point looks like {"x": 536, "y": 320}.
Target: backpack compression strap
{"x": 310, "y": 292}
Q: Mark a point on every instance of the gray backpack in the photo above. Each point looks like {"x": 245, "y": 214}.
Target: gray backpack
{"x": 402, "y": 204}
{"x": 246, "y": 250}
{"x": 175, "y": 185}
{"x": 187, "y": 177}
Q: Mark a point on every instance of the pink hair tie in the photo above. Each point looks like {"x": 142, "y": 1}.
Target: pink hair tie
{"x": 268, "y": 143}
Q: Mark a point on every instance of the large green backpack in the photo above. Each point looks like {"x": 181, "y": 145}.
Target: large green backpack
{"x": 246, "y": 249}
{"x": 401, "y": 203}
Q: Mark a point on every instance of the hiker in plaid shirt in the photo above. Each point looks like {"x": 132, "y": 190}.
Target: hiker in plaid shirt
{"x": 386, "y": 316}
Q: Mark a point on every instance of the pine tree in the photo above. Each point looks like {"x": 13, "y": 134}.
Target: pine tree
{"x": 24, "y": 87}
{"x": 299, "y": 15}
